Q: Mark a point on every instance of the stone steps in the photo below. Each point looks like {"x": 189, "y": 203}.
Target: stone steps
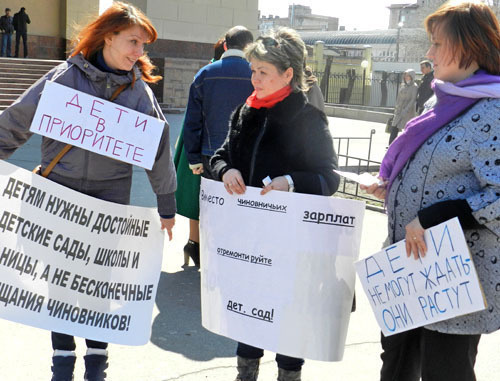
{"x": 17, "y": 74}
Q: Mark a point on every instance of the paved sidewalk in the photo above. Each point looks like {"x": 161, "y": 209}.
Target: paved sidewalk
{"x": 181, "y": 349}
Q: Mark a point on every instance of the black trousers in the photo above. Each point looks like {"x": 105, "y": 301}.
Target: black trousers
{"x": 432, "y": 355}
{"x": 394, "y": 134}
{"x": 65, "y": 342}
{"x": 284, "y": 362}
{"x": 25, "y": 43}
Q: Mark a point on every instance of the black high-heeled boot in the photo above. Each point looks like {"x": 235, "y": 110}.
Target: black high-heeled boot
{"x": 192, "y": 250}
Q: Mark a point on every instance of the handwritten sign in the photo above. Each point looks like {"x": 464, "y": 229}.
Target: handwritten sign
{"x": 406, "y": 293}
{"x": 75, "y": 264}
{"x": 277, "y": 271}
{"x": 97, "y": 125}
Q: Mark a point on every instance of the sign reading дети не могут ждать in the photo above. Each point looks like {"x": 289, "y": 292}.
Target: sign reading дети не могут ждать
{"x": 97, "y": 125}
{"x": 278, "y": 270}
{"x": 406, "y": 293}
{"x": 74, "y": 264}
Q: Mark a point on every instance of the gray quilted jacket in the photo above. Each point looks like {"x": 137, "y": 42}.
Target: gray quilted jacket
{"x": 460, "y": 161}
{"x": 83, "y": 165}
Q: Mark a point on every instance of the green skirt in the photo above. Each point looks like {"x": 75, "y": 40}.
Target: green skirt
{"x": 187, "y": 194}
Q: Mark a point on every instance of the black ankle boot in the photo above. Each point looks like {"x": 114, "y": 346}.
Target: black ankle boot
{"x": 192, "y": 249}
{"x": 95, "y": 365}
{"x": 62, "y": 368}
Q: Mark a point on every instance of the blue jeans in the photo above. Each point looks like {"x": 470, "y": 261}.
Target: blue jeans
{"x": 6, "y": 45}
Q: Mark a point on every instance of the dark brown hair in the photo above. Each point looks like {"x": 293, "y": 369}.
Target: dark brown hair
{"x": 472, "y": 32}
{"x": 117, "y": 17}
{"x": 219, "y": 49}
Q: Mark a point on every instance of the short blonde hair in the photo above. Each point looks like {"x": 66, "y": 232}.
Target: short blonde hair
{"x": 282, "y": 48}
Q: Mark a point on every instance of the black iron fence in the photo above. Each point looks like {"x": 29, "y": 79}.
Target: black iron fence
{"x": 352, "y": 89}
{"x": 353, "y": 163}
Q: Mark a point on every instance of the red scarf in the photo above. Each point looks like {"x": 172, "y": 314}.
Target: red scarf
{"x": 270, "y": 100}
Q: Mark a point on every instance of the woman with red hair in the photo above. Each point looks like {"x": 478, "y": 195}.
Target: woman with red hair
{"x": 108, "y": 61}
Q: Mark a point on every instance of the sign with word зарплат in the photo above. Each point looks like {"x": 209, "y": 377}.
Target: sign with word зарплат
{"x": 278, "y": 270}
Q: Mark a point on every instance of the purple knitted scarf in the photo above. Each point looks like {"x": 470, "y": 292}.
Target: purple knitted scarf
{"x": 452, "y": 100}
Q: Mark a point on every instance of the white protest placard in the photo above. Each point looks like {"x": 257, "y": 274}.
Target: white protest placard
{"x": 97, "y": 125}
{"x": 406, "y": 293}
{"x": 74, "y": 264}
{"x": 277, "y": 271}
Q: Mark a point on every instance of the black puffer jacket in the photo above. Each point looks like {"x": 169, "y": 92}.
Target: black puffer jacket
{"x": 290, "y": 138}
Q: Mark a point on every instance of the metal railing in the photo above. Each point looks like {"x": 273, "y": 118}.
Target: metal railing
{"x": 351, "y": 89}
{"x": 355, "y": 164}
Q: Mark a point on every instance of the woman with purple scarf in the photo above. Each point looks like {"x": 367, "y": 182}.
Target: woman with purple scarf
{"x": 447, "y": 164}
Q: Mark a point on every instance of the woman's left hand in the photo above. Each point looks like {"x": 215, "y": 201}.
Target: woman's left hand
{"x": 415, "y": 243}
{"x": 168, "y": 224}
{"x": 279, "y": 183}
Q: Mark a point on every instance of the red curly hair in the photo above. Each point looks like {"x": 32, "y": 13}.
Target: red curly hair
{"x": 117, "y": 17}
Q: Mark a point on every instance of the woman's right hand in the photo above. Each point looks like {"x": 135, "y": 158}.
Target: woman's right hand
{"x": 233, "y": 181}
{"x": 376, "y": 189}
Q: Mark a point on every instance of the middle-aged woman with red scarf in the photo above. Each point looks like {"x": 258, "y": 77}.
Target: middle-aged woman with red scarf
{"x": 276, "y": 133}
{"x": 447, "y": 164}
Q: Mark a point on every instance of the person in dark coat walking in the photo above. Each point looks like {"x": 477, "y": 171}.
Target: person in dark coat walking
{"x": 21, "y": 21}
{"x": 424, "y": 90}
{"x": 7, "y": 28}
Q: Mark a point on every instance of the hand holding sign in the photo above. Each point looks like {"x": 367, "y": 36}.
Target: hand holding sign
{"x": 414, "y": 241}
{"x": 233, "y": 182}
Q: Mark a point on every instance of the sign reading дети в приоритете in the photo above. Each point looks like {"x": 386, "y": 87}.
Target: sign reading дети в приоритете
{"x": 75, "y": 264}
{"x": 406, "y": 293}
{"x": 97, "y": 125}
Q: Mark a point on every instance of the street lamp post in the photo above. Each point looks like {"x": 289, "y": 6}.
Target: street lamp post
{"x": 400, "y": 25}
{"x": 364, "y": 65}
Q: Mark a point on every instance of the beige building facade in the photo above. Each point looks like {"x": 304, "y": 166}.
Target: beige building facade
{"x": 187, "y": 31}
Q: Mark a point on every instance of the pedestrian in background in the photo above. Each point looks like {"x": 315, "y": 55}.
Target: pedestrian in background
{"x": 21, "y": 21}
{"x": 446, "y": 165}
{"x": 107, "y": 61}
{"x": 7, "y": 28}
{"x": 314, "y": 94}
{"x": 405, "y": 104}
{"x": 276, "y": 133}
{"x": 217, "y": 89}
{"x": 424, "y": 90}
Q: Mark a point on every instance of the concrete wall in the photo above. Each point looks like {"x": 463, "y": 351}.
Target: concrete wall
{"x": 187, "y": 30}
{"x": 200, "y": 20}
{"x": 53, "y": 22}
{"x": 44, "y": 15}
{"x": 179, "y": 75}
{"x": 78, "y": 13}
